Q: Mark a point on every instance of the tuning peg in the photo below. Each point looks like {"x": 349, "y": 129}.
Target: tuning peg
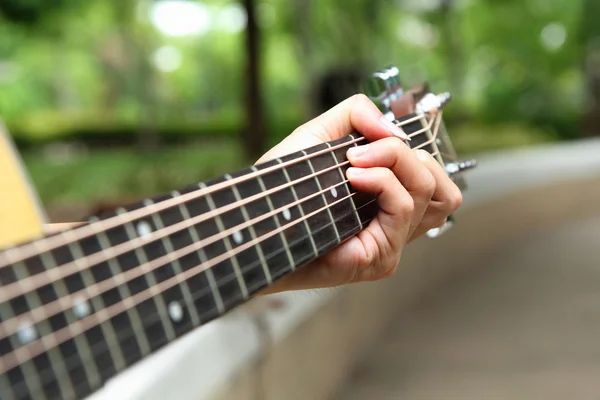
{"x": 393, "y": 81}
{"x": 432, "y": 102}
{"x": 437, "y": 232}
{"x": 383, "y": 87}
{"x": 453, "y": 168}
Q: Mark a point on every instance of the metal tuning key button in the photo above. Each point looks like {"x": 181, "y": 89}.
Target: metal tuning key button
{"x": 453, "y": 168}
{"x": 431, "y": 102}
{"x": 437, "y": 232}
{"x": 384, "y": 87}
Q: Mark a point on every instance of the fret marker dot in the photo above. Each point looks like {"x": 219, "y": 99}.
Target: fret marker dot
{"x": 175, "y": 311}
{"x": 143, "y": 229}
{"x": 334, "y": 192}
{"x": 238, "y": 238}
{"x": 27, "y": 333}
{"x": 82, "y": 308}
{"x": 287, "y": 214}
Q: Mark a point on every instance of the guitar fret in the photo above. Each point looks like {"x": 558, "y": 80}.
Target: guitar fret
{"x": 343, "y": 177}
{"x": 322, "y": 226}
{"x": 258, "y": 248}
{"x": 433, "y": 149}
{"x": 364, "y": 203}
{"x": 228, "y": 247}
{"x": 107, "y": 363}
{"x": 302, "y": 215}
{"x": 329, "y": 175}
{"x": 312, "y": 169}
{"x": 150, "y": 279}
{"x": 417, "y": 124}
{"x": 277, "y": 222}
{"x": 203, "y": 258}
{"x": 65, "y": 385}
{"x": 177, "y": 267}
{"x": 108, "y": 329}
{"x": 91, "y": 369}
{"x": 8, "y": 393}
{"x": 31, "y": 380}
{"x": 78, "y": 349}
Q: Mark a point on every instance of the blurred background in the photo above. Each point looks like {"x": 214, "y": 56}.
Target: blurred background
{"x": 110, "y": 101}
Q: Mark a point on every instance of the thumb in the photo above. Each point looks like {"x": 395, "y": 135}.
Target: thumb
{"x": 355, "y": 114}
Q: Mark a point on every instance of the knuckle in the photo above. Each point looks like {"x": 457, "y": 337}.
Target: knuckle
{"x": 407, "y": 206}
{"x": 393, "y": 143}
{"x": 389, "y": 271}
{"x": 360, "y": 98}
{"x": 453, "y": 201}
{"x": 389, "y": 268}
{"x": 388, "y": 175}
{"x": 367, "y": 258}
{"x": 456, "y": 200}
{"x": 426, "y": 185}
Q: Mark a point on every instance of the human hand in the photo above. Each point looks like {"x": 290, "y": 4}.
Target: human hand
{"x": 414, "y": 195}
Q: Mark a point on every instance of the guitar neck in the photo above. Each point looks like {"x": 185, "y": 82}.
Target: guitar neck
{"x": 79, "y": 306}
{"x": 75, "y": 314}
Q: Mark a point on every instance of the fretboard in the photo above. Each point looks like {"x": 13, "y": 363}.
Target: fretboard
{"x": 82, "y": 322}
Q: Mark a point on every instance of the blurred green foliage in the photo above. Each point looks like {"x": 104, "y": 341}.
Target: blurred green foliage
{"x": 74, "y": 175}
{"x": 100, "y": 71}
{"x": 76, "y": 70}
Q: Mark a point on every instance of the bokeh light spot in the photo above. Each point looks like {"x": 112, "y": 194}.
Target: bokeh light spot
{"x": 232, "y": 19}
{"x": 180, "y": 18}
{"x": 553, "y": 36}
{"x": 168, "y": 59}
{"x": 418, "y": 33}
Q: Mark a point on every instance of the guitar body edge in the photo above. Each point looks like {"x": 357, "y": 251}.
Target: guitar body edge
{"x": 21, "y": 214}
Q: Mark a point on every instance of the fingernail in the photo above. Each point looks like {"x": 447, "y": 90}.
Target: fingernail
{"x": 358, "y": 151}
{"x": 353, "y": 171}
{"x": 423, "y": 155}
{"x": 396, "y": 130}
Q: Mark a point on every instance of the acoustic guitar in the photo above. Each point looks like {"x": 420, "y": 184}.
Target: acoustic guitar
{"x": 80, "y": 305}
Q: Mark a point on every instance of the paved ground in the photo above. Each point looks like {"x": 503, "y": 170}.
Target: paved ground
{"x": 525, "y": 325}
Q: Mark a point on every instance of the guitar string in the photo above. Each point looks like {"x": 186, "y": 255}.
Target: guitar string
{"x": 67, "y": 333}
{"x": 36, "y": 281}
{"x": 211, "y": 262}
{"x": 101, "y": 347}
{"x": 451, "y": 157}
{"x": 24, "y": 251}
{"x": 48, "y": 310}
{"x": 54, "y": 339}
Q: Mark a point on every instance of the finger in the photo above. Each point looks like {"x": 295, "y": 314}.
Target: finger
{"x": 388, "y": 231}
{"x": 373, "y": 253}
{"x": 412, "y": 172}
{"x": 446, "y": 198}
{"x": 355, "y": 114}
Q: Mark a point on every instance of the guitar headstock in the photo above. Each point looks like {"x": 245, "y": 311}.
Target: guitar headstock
{"x": 419, "y": 112}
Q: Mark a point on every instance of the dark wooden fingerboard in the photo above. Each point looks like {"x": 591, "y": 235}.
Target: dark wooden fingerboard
{"x": 83, "y": 363}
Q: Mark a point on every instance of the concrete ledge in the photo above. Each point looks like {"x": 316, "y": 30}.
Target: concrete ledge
{"x": 303, "y": 345}
{"x": 313, "y": 361}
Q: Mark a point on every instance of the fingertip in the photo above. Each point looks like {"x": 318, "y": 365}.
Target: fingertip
{"x": 396, "y": 130}
{"x": 423, "y": 155}
{"x": 356, "y": 152}
{"x": 353, "y": 172}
